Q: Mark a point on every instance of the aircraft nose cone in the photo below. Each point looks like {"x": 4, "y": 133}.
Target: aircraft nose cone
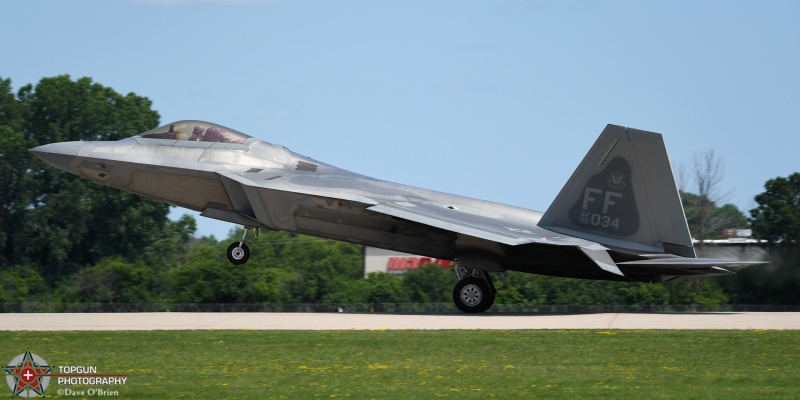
{"x": 59, "y": 155}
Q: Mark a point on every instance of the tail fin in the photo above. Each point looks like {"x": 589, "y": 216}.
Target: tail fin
{"x": 623, "y": 195}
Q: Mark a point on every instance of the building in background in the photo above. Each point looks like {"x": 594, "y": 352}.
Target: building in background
{"x": 395, "y": 262}
{"x": 737, "y": 233}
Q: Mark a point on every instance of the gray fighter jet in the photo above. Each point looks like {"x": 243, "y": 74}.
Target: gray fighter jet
{"x": 619, "y": 217}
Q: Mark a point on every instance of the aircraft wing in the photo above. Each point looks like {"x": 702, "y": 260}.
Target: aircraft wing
{"x": 479, "y": 223}
{"x": 493, "y": 226}
{"x": 482, "y": 223}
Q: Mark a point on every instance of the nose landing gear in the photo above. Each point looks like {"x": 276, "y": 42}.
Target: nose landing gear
{"x": 238, "y": 252}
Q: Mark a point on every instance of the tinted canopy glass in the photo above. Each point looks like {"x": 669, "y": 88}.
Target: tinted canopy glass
{"x": 196, "y": 131}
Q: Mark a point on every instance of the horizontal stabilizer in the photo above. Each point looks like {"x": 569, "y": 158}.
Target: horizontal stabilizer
{"x": 679, "y": 266}
{"x": 721, "y": 271}
{"x": 602, "y": 259}
{"x": 688, "y": 263}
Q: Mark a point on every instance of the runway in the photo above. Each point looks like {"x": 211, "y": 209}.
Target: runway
{"x": 368, "y": 321}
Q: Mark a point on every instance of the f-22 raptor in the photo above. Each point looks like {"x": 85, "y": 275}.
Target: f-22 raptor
{"x": 619, "y": 217}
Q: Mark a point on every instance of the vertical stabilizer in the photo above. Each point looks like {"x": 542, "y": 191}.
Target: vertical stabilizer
{"x": 623, "y": 195}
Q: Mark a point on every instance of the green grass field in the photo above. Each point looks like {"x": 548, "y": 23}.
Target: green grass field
{"x": 483, "y": 364}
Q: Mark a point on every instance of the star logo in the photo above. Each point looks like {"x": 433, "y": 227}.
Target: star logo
{"x": 26, "y": 375}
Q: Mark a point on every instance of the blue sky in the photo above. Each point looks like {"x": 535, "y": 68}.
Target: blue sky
{"x": 495, "y": 100}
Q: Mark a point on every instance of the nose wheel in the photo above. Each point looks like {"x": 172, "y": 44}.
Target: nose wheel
{"x": 238, "y": 252}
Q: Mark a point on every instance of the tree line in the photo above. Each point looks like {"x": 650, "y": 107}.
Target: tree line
{"x": 64, "y": 239}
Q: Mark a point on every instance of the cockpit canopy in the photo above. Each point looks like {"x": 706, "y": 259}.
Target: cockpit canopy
{"x": 197, "y": 131}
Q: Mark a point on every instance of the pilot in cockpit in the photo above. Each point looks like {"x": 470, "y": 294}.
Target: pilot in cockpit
{"x": 214, "y": 135}
{"x": 197, "y": 134}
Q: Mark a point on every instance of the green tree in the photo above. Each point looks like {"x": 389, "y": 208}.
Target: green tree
{"x": 777, "y": 220}
{"x": 429, "y": 283}
{"x": 644, "y": 293}
{"x": 23, "y": 283}
{"x": 267, "y": 285}
{"x": 695, "y": 291}
{"x": 385, "y": 288}
{"x": 520, "y": 288}
{"x": 710, "y": 222}
{"x": 172, "y": 246}
{"x": 352, "y": 291}
{"x": 50, "y": 219}
{"x": 706, "y": 212}
{"x": 16, "y": 182}
{"x": 205, "y": 278}
{"x": 582, "y": 291}
{"x": 777, "y": 217}
{"x": 113, "y": 280}
{"x": 320, "y": 268}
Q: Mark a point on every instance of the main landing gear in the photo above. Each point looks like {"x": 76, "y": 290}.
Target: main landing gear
{"x": 238, "y": 252}
{"x": 474, "y": 291}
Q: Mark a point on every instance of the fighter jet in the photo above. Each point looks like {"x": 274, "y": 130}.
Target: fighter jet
{"x": 619, "y": 217}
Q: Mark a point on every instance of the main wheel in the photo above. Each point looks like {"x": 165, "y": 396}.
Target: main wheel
{"x": 238, "y": 255}
{"x": 472, "y": 295}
